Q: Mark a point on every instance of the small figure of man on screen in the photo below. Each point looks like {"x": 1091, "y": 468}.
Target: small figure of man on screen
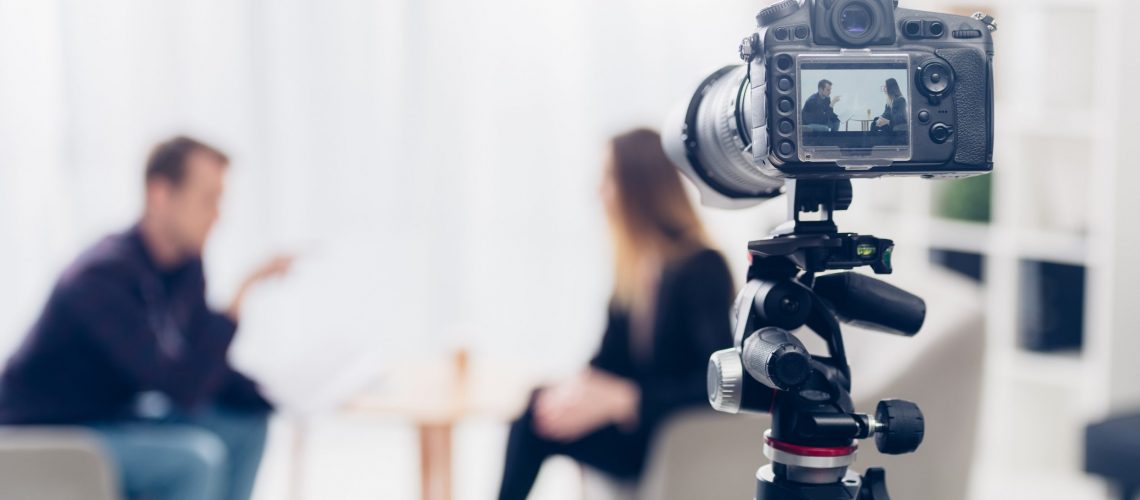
{"x": 819, "y": 113}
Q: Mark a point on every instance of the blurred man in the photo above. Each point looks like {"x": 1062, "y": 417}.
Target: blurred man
{"x": 819, "y": 110}
{"x": 128, "y": 346}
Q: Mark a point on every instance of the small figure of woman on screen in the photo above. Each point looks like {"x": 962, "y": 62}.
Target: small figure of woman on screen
{"x": 893, "y": 118}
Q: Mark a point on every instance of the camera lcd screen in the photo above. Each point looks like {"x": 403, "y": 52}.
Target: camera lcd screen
{"x": 854, "y": 108}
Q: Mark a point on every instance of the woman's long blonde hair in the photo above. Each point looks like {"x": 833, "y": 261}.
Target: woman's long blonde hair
{"x": 651, "y": 213}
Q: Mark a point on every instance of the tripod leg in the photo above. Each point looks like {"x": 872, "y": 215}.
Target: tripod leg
{"x": 874, "y": 485}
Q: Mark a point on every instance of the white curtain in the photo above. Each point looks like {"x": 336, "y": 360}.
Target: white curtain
{"x": 434, "y": 162}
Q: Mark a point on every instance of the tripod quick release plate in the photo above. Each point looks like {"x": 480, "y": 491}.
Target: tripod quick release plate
{"x": 828, "y": 251}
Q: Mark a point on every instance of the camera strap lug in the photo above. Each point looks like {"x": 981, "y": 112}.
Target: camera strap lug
{"x": 987, "y": 20}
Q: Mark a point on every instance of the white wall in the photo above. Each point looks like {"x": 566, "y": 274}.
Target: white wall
{"x": 434, "y": 162}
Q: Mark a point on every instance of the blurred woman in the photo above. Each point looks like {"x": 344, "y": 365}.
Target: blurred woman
{"x": 668, "y": 312}
{"x": 894, "y": 114}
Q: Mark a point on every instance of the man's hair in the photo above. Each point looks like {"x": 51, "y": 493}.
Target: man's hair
{"x": 824, "y": 83}
{"x": 167, "y": 161}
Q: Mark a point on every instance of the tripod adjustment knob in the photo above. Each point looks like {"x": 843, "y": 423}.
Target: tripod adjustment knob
{"x": 901, "y": 427}
{"x": 844, "y": 194}
{"x": 726, "y": 380}
{"x": 776, "y": 358}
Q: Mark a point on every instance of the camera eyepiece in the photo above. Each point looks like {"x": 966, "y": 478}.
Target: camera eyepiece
{"x": 856, "y": 22}
{"x": 855, "y": 19}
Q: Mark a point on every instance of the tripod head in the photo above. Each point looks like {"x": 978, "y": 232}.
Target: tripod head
{"x": 814, "y": 244}
{"x": 815, "y": 427}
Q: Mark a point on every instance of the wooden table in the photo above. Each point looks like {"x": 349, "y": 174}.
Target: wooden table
{"x": 435, "y": 394}
{"x": 864, "y": 125}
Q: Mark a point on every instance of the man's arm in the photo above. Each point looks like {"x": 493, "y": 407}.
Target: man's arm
{"x": 832, "y": 117}
{"x": 240, "y": 392}
{"x": 277, "y": 266}
{"x": 813, "y": 112}
{"x": 103, "y": 305}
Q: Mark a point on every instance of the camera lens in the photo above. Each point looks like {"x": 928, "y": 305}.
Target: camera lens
{"x": 855, "y": 19}
{"x": 709, "y": 135}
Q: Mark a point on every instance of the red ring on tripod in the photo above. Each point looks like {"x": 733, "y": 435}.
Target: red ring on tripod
{"x": 811, "y": 451}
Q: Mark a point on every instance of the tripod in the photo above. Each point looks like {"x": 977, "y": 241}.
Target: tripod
{"x": 814, "y": 433}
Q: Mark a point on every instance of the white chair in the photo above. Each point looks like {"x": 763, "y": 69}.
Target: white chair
{"x": 702, "y": 454}
{"x": 45, "y": 463}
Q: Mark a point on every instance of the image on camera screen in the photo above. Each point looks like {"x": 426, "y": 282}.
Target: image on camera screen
{"x": 855, "y": 108}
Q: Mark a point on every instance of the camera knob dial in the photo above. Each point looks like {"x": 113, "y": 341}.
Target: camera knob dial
{"x": 935, "y": 78}
{"x": 940, "y": 133}
{"x": 843, "y": 195}
{"x": 776, "y": 358}
{"x": 726, "y": 380}
{"x": 901, "y": 427}
{"x": 777, "y": 11}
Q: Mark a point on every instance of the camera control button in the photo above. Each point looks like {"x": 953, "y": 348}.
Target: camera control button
{"x": 786, "y": 126}
{"x": 801, "y": 32}
{"x": 785, "y": 84}
{"x": 786, "y": 149}
{"x": 785, "y": 105}
{"x": 940, "y": 132}
{"x": 912, "y": 29}
{"x": 784, "y": 62}
{"x": 967, "y": 34}
{"x": 781, "y": 33}
{"x": 935, "y": 78}
{"x": 924, "y": 116}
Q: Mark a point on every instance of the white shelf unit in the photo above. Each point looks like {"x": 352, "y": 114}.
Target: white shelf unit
{"x": 1064, "y": 190}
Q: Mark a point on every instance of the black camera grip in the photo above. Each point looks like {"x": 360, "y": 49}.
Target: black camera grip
{"x": 971, "y": 109}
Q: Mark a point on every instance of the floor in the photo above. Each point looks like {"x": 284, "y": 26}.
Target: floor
{"x": 349, "y": 458}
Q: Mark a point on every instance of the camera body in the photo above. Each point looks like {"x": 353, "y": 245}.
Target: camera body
{"x": 860, "y": 88}
{"x": 840, "y": 89}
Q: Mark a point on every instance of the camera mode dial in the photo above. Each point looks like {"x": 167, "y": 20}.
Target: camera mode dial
{"x": 777, "y": 11}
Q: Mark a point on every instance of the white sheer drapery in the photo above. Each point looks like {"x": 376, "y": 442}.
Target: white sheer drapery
{"x": 434, "y": 162}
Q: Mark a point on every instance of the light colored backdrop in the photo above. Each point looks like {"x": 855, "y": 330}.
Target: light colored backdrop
{"x": 434, "y": 162}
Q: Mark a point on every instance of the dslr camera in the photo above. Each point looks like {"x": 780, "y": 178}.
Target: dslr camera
{"x": 840, "y": 89}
